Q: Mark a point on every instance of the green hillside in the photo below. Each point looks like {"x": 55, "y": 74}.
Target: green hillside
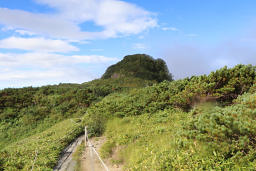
{"x": 28, "y": 113}
{"x": 33, "y": 119}
{"x": 202, "y": 122}
{"x": 140, "y": 66}
{"x": 151, "y": 122}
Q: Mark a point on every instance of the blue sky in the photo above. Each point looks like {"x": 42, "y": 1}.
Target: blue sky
{"x": 49, "y": 42}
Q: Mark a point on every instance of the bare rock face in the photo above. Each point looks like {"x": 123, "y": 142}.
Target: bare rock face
{"x": 116, "y": 75}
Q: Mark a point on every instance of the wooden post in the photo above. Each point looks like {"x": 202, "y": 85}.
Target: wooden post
{"x": 85, "y": 136}
{"x": 92, "y": 149}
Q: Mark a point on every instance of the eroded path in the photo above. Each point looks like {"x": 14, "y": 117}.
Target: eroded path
{"x": 90, "y": 161}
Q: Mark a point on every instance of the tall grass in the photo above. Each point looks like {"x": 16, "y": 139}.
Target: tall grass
{"x": 206, "y": 138}
{"x": 40, "y": 151}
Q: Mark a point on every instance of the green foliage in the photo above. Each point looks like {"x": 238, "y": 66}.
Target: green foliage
{"x": 77, "y": 156}
{"x": 221, "y": 86}
{"x": 107, "y": 149}
{"x": 229, "y": 83}
{"x": 229, "y": 132}
{"x": 151, "y": 142}
{"x": 155, "y": 130}
{"x": 41, "y": 150}
{"x": 150, "y": 123}
{"x": 140, "y": 66}
{"x": 207, "y": 138}
{"x": 27, "y": 112}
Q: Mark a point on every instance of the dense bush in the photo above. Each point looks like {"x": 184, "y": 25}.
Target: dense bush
{"x": 176, "y": 126}
{"x": 230, "y": 131}
{"x": 208, "y": 137}
{"x": 23, "y": 110}
{"x": 221, "y": 87}
{"x": 26, "y": 112}
{"x": 149, "y": 142}
{"x": 137, "y": 118}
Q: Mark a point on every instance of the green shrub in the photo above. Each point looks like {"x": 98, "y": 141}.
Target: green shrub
{"x": 229, "y": 132}
{"x": 107, "y": 149}
{"x": 222, "y": 86}
{"x": 41, "y": 150}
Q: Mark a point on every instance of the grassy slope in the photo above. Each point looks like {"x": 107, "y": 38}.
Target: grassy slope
{"x": 155, "y": 127}
{"x": 224, "y": 85}
{"x": 159, "y": 108}
{"x": 26, "y": 112}
{"x": 208, "y": 137}
{"x": 45, "y": 147}
{"x": 147, "y": 142}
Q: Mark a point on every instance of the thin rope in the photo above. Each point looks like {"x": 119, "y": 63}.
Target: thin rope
{"x": 91, "y": 154}
{"x": 92, "y": 147}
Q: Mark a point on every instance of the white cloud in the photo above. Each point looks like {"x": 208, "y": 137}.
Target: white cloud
{"x": 170, "y": 29}
{"x": 92, "y": 59}
{"x": 7, "y": 28}
{"x": 24, "y": 32}
{"x": 20, "y": 75}
{"x": 17, "y": 70}
{"x": 115, "y": 17}
{"x": 48, "y": 60}
{"x": 21, "y": 78}
{"x": 140, "y": 46}
{"x": 37, "y": 44}
{"x": 49, "y": 25}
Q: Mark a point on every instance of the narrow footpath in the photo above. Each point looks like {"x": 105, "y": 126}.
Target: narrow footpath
{"x": 89, "y": 160}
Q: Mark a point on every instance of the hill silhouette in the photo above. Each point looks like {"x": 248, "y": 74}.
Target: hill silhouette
{"x": 140, "y": 66}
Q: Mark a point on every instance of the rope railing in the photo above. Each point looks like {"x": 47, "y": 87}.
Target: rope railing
{"x": 92, "y": 149}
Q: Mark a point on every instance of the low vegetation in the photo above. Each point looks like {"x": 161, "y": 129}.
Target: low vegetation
{"x": 152, "y": 122}
{"x": 40, "y": 151}
{"x": 27, "y": 112}
{"x": 203, "y": 122}
{"x": 77, "y": 156}
{"x": 207, "y": 138}
{"x": 220, "y": 87}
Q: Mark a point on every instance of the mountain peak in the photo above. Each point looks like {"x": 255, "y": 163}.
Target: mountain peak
{"x": 141, "y": 66}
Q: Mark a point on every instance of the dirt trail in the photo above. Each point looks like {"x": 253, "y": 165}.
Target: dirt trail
{"x": 90, "y": 161}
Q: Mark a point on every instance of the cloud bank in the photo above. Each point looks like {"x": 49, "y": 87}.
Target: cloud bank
{"x": 39, "y": 68}
{"x": 114, "y": 17}
{"x": 185, "y": 60}
{"x": 37, "y": 44}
